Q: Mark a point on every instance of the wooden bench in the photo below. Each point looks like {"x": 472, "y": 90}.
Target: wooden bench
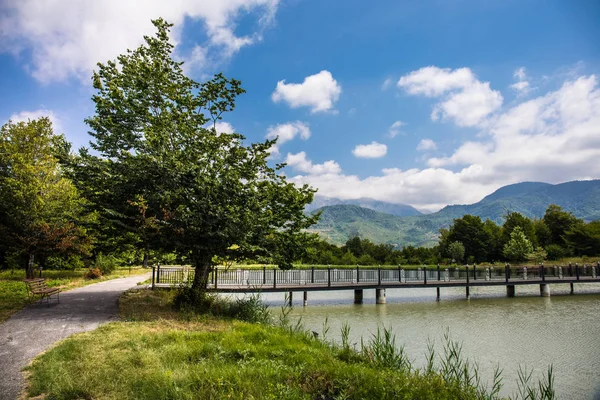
{"x": 38, "y": 287}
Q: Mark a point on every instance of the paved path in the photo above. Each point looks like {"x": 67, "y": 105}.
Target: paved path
{"x": 37, "y": 327}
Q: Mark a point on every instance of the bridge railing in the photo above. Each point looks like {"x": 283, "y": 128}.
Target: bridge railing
{"x": 273, "y": 277}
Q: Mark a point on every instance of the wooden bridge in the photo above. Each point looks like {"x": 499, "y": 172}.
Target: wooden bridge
{"x": 268, "y": 280}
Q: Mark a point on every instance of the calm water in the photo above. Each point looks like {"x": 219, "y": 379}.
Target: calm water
{"x": 527, "y": 330}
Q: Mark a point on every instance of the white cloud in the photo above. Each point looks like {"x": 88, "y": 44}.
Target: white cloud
{"x": 224, "y": 127}
{"x": 25, "y": 116}
{"x": 68, "y": 37}
{"x": 466, "y": 100}
{"x": 373, "y": 150}
{"x": 521, "y": 86}
{"x": 319, "y": 92}
{"x": 426, "y": 144}
{"x": 394, "y": 129}
{"x": 299, "y": 162}
{"x": 286, "y": 132}
{"x": 552, "y": 138}
{"x": 387, "y": 84}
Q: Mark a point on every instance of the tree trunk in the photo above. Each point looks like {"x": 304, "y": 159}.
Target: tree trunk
{"x": 145, "y": 263}
{"x": 202, "y": 265}
{"x": 29, "y": 271}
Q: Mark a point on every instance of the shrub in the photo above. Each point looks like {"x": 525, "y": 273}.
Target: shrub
{"x": 93, "y": 273}
{"x": 71, "y": 263}
{"x": 555, "y": 252}
{"x": 106, "y": 264}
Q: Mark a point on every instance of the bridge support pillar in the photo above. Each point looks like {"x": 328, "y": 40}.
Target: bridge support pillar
{"x": 545, "y": 290}
{"x": 467, "y": 292}
{"x": 437, "y": 290}
{"x": 572, "y": 288}
{"x": 510, "y": 290}
{"x": 358, "y": 296}
{"x": 290, "y": 297}
{"x": 380, "y": 296}
{"x": 305, "y": 299}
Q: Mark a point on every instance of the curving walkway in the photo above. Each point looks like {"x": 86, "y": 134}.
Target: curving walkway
{"x": 37, "y": 327}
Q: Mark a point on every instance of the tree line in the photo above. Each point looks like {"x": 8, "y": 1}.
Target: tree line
{"x": 469, "y": 239}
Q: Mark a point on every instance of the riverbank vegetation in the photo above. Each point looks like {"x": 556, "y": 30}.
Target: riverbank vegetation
{"x": 161, "y": 352}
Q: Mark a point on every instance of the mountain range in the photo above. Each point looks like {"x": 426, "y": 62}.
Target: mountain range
{"x": 403, "y": 225}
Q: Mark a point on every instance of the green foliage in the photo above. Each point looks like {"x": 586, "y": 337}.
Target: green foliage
{"x": 106, "y": 264}
{"x": 555, "y": 252}
{"x": 456, "y": 251}
{"x": 38, "y": 205}
{"x": 518, "y": 247}
{"x": 559, "y": 222}
{"x": 57, "y": 262}
{"x": 471, "y": 232}
{"x": 515, "y": 219}
{"x": 538, "y": 255}
{"x": 160, "y": 170}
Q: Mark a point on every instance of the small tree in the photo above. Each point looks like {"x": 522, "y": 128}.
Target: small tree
{"x": 456, "y": 251}
{"x": 38, "y": 205}
{"x": 518, "y": 246}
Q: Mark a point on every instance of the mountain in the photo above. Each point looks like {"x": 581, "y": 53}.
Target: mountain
{"x": 401, "y": 210}
{"x": 342, "y": 221}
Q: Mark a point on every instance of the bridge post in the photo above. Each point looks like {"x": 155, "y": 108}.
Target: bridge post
{"x": 474, "y": 272}
{"x": 379, "y": 274}
{"x": 216, "y": 274}
{"x": 545, "y": 290}
{"x": 158, "y": 273}
{"x": 380, "y": 296}
{"x": 153, "y": 276}
{"x": 357, "y": 274}
{"x": 290, "y": 297}
{"x": 560, "y": 272}
{"x": 399, "y": 274}
{"x": 570, "y": 270}
{"x": 467, "y": 269}
{"x": 329, "y": 276}
{"x": 577, "y": 271}
{"x": 274, "y": 278}
{"x": 439, "y": 272}
{"x": 510, "y": 290}
{"x": 467, "y": 291}
{"x": 543, "y": 273}
{"x": 358, "y": 296}
{"x": 312, "y": 274}
{"x": 305, "y": 303}
{"x": 437, "y": 289}
{"x": 424, "y": 274}
{"x": 264, "y": 274}
{"x": 572, "y": 288}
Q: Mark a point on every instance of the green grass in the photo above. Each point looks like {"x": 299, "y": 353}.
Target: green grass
{"x": 13, "y": 293}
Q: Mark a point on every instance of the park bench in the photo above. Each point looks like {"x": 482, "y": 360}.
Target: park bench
{"x": 38, "y": 287}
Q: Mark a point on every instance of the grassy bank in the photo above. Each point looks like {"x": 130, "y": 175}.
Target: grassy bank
{"x": 13, "y": 293}
{"x": 162, "y": 354}
{"x": 158, "y": 353}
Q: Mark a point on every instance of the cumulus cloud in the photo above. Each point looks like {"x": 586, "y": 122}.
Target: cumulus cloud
{"x": 521, "y": 86}
{"x": 373, "y": 150}
{"x": 224, "y": 127}
{"x": 552, "y": 138}
{"x": 426, "y": 144}
{"x": 319, "y": 92}
{"x": 394, "y": 129}
{"x": 300, "y": 163}
{"x": 68, "y": 37}
{"x": 465, "y": 100}
{"x": 286, "y": 132}
{"x": 25, "y": 116}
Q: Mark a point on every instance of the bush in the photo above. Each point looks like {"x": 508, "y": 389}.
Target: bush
{"x": 555, "y": 252}
{"x": 106, "y": 264}
{"x": 71, "y": 263}
{"x": 93, "y": 273}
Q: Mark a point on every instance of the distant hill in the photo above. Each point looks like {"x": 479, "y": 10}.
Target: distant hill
{"x": 342, "y": 221}
{"x": 401, "y": 210}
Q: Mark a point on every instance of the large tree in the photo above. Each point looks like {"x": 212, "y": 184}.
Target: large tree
{"x": 203, "y": 193}
{"x": 39, "y": 207}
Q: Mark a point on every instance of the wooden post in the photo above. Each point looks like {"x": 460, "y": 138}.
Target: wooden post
{"x": 153, "y": 276}
{"x": 274, "y": 278}
{"x": 542, "y": 272}
{"x": 379, "y": 275}
{"x": 467, "y": 268}
{"x": 357, "y": 274}
{"x": 572, "y": 288}
{"x": 358, "y": 296}
{"x": 424, "y": 274}
{"x": 570, "y": 270}
{"x": 439, "y": 273}
{"x": 264, "y": 274}
{"x": 468, "y": 294}
{"x": 437, "y": 289}
{"x": 290, "y": 297}
{"x": 216, "y": 272}
{"x": 329, "y": 276}
{"x": 474, "y": 272}
{"x": 577, "y": 270}
{"x": 305, "y": 303}
{"x": 312, "y": 274}
{"x": 158, "y": 273}
{"x": 399, "y": 274}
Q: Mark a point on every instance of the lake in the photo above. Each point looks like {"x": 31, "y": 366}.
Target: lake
{"x": 527, "y": 330}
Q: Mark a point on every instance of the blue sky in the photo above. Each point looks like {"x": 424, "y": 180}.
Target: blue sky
{"x": 426, "y": 103}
